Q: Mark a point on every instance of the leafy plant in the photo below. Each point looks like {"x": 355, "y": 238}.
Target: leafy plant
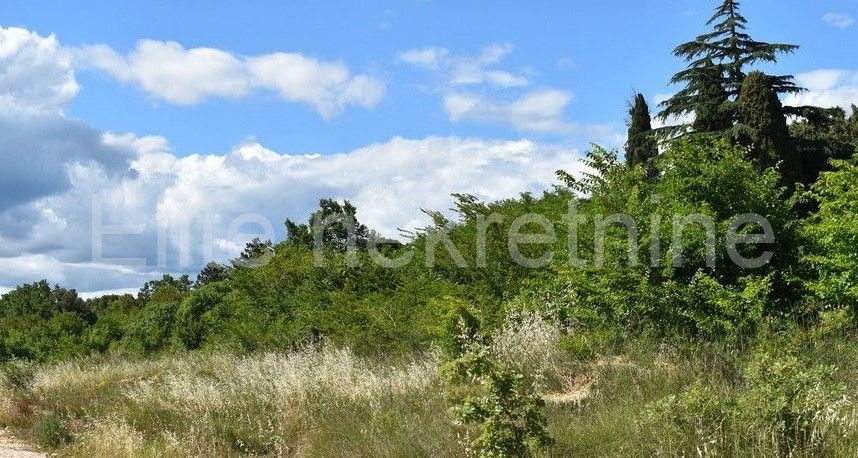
{"x": 510, "y": 414}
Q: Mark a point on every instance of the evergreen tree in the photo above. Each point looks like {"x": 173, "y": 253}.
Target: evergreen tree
{"x": 763, "y": 127}
{"x": 711, "y": 105}
{"x": 729, "y": 50}
{"x": 641, "y": 146}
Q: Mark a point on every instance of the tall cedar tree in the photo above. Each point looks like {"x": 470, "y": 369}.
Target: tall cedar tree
{"x": 763, "y": 127}
{"x": 712, "y": 107}
{"x": 730, "y": 50}
{"x": 641, "y": 146}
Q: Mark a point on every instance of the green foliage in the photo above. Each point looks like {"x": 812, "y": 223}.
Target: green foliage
{"x": 641, "y": 146}
{"x": 151, "y": 330}
{"x": 724, "y": 52}
{"x": 683, "y": 423}
{"x": 17, "y": 374}
{"x": 50, "y": 431}
{"x": 510, "y": 413}
{"x": 785, "y": 406}
{"x": 338, "y": 224}
{"x": 255, "y": 253}
{"x": 822, "y": 134}
{"x": 461, "y": 329}
{"x": 512, "y": 417}
{"x": 786, "y": 398}
{"x": 763, "y": 127}
{"x": 713, "y": 109}
{"x": 832, "y": 236}
{"x": 167, "y": 284}
{"x": 211, "y": 273}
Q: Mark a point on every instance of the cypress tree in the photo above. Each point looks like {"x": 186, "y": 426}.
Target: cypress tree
{"x": 729, "y": 49}
{"x": 641, "y": 146}
{"x": 763, "y": 127}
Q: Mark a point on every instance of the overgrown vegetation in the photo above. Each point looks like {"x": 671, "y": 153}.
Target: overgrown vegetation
{"x": 612, "y": 347}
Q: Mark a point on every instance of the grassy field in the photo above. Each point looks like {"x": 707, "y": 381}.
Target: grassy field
{"x": 790, "y": 395}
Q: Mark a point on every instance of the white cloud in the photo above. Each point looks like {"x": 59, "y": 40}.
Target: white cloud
{"x": 538, "y": 111}
{"x": 170, "y": 72}
{"x": 327, "y": 86}
{"x": 826, "y": 88}
{"x": 428, "y": 58}
{"x": 459, "y": 70}
{"x": 36, "y": 75}
{"x": 389, "y": 182}
{"x": 841, "y": 21}
{"x": 37, "y": 150}
{"x": 472, "y": 89}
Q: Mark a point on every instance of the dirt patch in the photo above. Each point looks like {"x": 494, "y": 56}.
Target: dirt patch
{"x": 12, "y": 448}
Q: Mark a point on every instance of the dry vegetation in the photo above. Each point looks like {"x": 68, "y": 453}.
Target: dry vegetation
{"x": 644, "y": 399}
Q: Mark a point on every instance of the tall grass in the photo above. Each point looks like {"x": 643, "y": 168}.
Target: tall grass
{"x": 311, "y": 402}
{"x": 647, "y": 399}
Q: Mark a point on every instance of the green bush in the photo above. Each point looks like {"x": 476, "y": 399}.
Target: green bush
{"x": 505, "y": 405}
{"x": 785, "y": 400}
{"x": 50, "y": 431}
{"x": 689, "y": 422}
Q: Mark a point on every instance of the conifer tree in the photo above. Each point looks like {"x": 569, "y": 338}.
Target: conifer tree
{"x": 730, "y": 50}
{"x": 641, "y": 146}
{"x": 763, "y": 127}
{"x": 712, "y": 105}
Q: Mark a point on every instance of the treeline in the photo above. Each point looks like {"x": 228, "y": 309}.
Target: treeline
{"x": 738, "y": 154}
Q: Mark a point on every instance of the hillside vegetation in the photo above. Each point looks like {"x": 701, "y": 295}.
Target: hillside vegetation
{"x": 644, "y": 316}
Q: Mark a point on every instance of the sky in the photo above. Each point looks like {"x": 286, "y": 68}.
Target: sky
{"x": 197, "y": 126}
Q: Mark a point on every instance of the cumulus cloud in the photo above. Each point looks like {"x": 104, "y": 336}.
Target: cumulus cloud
{"x": 168, "y": 71}
{"x": 458, "y": 70}
{"x": 389, "y": 182}
{"x": 39, "y": 144}
{"x": 826, "y": 88}
{"x": 326, "y": 86}
{"x": 36, "y": 75}
{"x": 841, "y": 21}
{"x": 38, "y": 150}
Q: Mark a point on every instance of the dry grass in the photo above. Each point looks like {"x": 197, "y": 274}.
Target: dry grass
{"x": 324, "y": 401}
{"x": 266, "y": 404}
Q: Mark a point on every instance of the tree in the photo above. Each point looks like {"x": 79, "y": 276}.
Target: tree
{"x": 641, "y": 146}
{"x": 763, "y": 127}
{"x": 832, "y": 233}
{"x": 179, "y": 285}
{"x": 42, "y": 300}
{"x": 726, "y": 51}
{"x": 504, "y": 403}
{"x": 822, "y": 134}
{"x": 712, "y": 105}
{"x": 338, "y": 223}
{"x": 211, "y": 273}
{"x": 254, "y": 252}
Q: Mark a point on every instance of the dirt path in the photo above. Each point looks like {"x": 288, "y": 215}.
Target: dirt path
{"x": 11, "y": 448}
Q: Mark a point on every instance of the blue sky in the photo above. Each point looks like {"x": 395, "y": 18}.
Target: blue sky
{"x": 404, "y": 102}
